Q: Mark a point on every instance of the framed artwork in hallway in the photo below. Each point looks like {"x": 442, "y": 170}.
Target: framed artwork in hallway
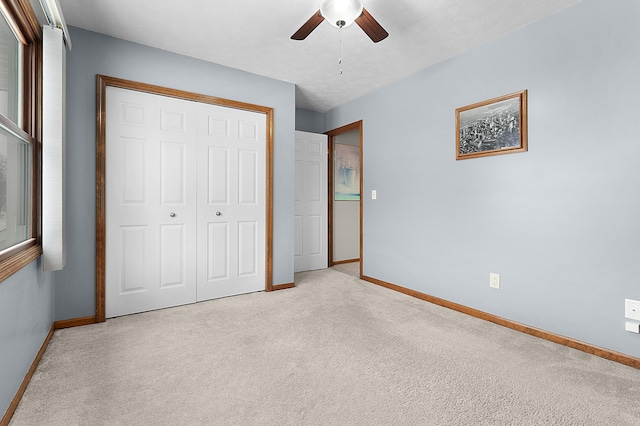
{"x": 347, "y": 172}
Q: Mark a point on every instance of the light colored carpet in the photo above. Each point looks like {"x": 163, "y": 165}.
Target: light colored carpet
{"x": 352, "y": 268}
{"x": 332, "y": 351}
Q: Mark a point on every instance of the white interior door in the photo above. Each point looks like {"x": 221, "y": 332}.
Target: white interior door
{"x": 310, "y": 248}
{"x": 186, "y": 202}
{"x": 150, "y": 202}
{"x": 231, "y": 201}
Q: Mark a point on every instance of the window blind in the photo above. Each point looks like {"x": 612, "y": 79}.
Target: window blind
{"x": 53, "y": 149}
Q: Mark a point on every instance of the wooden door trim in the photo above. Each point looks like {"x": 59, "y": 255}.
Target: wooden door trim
{"x": 101, "y": 102}
{"x": 357, "y": 125}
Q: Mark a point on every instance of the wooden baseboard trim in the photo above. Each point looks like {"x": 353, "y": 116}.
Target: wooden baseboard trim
{"x": 552, "y": 337}
{"x": 342, "y": 262}
{"x": 25, "y": 382}
{"x": 74, "y": 322}
{"x": 283, "y": 286}
{"x": 57, "y": 325}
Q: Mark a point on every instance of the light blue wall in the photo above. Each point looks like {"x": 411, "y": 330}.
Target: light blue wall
{"x": 309, "y": 121}
{"x": 560, "y": 222}
{"x": 26, "y": 315}
{"x": 98, "y": 54}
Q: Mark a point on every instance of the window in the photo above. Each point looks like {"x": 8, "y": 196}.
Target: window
{"x": 19, "y": 147}
{"x": 10, "y": 81}
{"x": 15, "y": 187}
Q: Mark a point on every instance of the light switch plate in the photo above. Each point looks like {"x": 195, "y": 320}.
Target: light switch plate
{"x": 632, "y": 309}
{"x": 374, "y": 194}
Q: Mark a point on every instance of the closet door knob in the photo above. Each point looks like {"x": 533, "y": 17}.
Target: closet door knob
{"x": 218, "y": 214}
{"x": 172, "y": 214}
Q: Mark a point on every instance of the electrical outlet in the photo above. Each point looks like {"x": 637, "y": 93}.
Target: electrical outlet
{"x": 374, "y": 194}
{"x": 632, "y": 309}
{"x": 494, "y": 280}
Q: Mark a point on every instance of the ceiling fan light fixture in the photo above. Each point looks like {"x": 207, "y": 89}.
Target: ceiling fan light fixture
{"x": 341, "y": 13}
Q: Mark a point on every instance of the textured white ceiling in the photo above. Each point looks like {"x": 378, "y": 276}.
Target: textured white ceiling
{"x": 254, "y": 35}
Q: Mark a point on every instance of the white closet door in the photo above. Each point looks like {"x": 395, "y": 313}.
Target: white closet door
{"x": 150, "y": 202}
{"x": 231, "y": 201}
{"x": 311, "y": 204}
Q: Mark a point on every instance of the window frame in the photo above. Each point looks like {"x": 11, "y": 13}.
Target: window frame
{"x": 22, "y": 19}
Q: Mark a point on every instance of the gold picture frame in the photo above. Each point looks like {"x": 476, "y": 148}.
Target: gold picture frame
{"x": 492, "y": 127}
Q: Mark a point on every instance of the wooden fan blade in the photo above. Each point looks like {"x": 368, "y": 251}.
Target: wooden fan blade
{"x": 371, "y": 27}
{"x": 308, "y": 26}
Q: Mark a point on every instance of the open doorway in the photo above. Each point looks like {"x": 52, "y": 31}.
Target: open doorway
{"x": 345, "y": 198}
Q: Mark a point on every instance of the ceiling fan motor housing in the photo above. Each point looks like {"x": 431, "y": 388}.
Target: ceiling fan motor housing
{"x": 341, "y": 13}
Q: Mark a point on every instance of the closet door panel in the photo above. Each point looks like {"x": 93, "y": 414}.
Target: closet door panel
{"x": 151, "y": 205}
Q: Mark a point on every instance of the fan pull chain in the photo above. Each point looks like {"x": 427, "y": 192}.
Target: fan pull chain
{"x": 340, "y": 56}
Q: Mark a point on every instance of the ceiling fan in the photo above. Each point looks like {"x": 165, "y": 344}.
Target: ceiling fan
{"x": 340, "y": 14}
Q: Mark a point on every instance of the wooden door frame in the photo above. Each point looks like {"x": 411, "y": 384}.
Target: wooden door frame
{"x": 331, "y": 134}
{"x": 102, "y": 82}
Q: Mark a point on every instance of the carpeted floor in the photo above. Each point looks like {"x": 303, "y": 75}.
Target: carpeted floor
{"x": 351, "y": 268}
{"x": 332, "y": 351}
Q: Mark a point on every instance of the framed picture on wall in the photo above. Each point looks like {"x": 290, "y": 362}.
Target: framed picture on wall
{"x": 492, "y": 127}
{"x": 346, "y": 172}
